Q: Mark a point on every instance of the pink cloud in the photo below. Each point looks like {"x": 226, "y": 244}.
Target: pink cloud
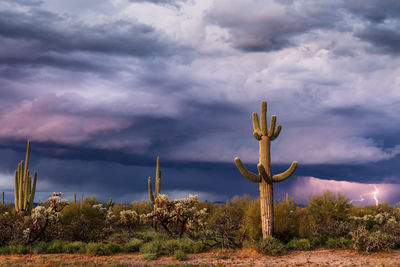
{"x": 56, "y": 119}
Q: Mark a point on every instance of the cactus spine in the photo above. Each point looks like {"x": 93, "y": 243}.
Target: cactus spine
{"x": 264, "y": 176}
{"x": 24, "y": 190}
{"x": 158, "y": 183}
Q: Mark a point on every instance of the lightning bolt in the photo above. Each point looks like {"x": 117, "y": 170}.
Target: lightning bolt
{"x": 374, "y": 195}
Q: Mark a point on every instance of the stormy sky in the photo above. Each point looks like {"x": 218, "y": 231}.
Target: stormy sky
{"x": 101, "y": 87}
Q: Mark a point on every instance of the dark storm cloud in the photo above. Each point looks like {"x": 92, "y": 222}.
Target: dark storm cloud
{"x": 175, "y": 3}
{"x": 35, "y": 36}
{"x": 259, "y": 26}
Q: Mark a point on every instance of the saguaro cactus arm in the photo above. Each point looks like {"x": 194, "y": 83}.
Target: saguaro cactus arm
{"x": 246, "y": 173}
{"x": 286, "y": 174}
{"x": 264, "y": 175}
{"x": 276, "y": 133}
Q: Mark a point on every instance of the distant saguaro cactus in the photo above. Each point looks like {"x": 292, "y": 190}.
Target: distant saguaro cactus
{"x": 264, "y": 176}
{"x": 2, "y": 198}
{"x": 24, "y": 190}
{"x": 158, "y": 183}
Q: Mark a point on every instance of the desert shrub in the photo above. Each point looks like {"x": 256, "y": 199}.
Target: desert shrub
{"x": 133, "y": 245}
{"x": 19, "y": 249}
{"x": 75, "y": 247}
{"x": 299, "y": 244}
{"x": 225, "y": 226}
{"x": 338, "y": 243}
{"x": 142, "y": 207}
{"x": 12, "y": 225}
{"x": 286, "y": 221}
{"x": 150, "y": 236}
{"x": 180, "y": 255}
{"x": 321, "y": 211}
{"x": 97, "y": 249}
{"x": 113, "y": 248}
{"x": 152, "y": 248}
{"x": 41, "y": 247}
{"x": 86, "y": 224}
{"x": 128, "y": 219}
{"x": 317, "y": 242}
{"x": 370, "y": 242}
{"x": 55, "y": 246}
{"x": 149, "y": 256}
{"x": 168, "y": 247}
{"x": 199, "y": 246}
{"x": 271, "y": 246}
{"x": 335, "y": 228}
{"x": 177, "y": 217}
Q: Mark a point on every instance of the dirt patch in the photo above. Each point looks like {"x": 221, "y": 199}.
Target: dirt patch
{"x": 245, "y": 257}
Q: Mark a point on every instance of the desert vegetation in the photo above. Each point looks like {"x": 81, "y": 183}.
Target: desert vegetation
{"x": 176, "y": 227}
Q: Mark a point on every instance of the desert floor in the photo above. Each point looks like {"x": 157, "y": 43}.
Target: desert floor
{"x": 245, "y": 257}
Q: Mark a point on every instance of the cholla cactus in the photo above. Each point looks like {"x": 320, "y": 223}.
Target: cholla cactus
{"x": 100, "y": 208}
{"x": 129, "y": 218}
{"x": 45, "y": 218}
{"x": 24, "y": 190}
{"x": 177, "y": 216}
{"x": 264, "y": 178}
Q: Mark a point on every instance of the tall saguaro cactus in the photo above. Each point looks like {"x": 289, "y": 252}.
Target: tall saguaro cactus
{"x": 158, "y": 183}
{"x": 264, "y": 177}
{"x": 24, "y": 190}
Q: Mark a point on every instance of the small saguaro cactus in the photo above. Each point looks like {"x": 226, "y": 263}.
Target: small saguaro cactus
{"x": 2, "y": 198}
{"x": 74, "y": 198}
{"x": 110, "y": 204}
{"x": 264, "y": 176}
{"x": 158, "y": 183}
{"x": 81, "y": 201}
{"x": 24, "y": 190}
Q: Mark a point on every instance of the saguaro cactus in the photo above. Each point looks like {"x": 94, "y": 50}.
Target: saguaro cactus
{"x": 264, "y": 176}
{"x": 158, "y": 183}
{"x": 24, "y": 190}
{"x": 2, "y": 198}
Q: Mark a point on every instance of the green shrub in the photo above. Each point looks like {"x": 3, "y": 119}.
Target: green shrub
{"x": 113, "y": 248}
{"x": 199, "y": 246}
{"x": 41, "y": 247}
{"x": 316, "y": 242}
{"x": 151, "y": 248}
{"x": 133, "y": 245}
{"x": 19, "y": 249}
{"x": 271, "y": 246}
{"x": 75, "y": 247}
{"x": 149, "y": 256}
{"x": 150, "y": 236}
{"x": 55, "y": 246}
{"x": 369, "y": 242}
{"x": 299, "y": 244}
{"x": 97, "y": 249}
{"x": 186, "y": 245}
{"x": 170, "y": 246}
{"x": 180, "y": 255}
{"x": 5, "y": 250}
{"x": 338, "y": 243}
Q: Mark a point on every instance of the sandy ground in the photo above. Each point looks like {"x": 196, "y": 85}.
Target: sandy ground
{"x": 245, "y": 257}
